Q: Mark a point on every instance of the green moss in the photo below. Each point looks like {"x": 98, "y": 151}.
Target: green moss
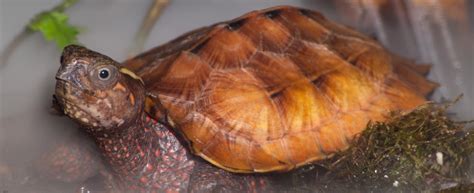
{"x": 423, "y": 150}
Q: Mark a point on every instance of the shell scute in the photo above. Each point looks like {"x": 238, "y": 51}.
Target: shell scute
{"x": 347, "y": 88}
{"x": 224, "y": 143}
{"x": 276, "y": 72}
{"x": 305, "y": 147}
{"x": 369, "y": 58}
{"x": 185, "y": 77}
{"x": 275, "y": 37}
{"x": 234, "y": 50}
{"x": 314, "y": 59}
{"x": 303, "y": 27}
{"x": 270, "y": 155}
{"x": 302, "y": 108}
{"x": 224, "y": 106}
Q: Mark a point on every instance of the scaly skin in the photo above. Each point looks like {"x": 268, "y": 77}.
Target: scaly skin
{"x": 146, "y": 157}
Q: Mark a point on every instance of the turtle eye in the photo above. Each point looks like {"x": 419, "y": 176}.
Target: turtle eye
{"x": 104, "y": 74}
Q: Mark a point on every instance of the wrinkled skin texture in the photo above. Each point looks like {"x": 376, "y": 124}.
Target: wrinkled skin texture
{"x": 144, "y": 155}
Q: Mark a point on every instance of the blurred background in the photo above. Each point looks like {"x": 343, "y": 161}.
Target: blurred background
{"x": 436, "y": 32}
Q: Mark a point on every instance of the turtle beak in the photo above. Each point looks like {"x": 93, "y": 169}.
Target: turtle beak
{"x": 64, "y": 72}
{"x": 71, "y": 73}
{"x": 70, "y": 64}
{"x": 65, "y": 81}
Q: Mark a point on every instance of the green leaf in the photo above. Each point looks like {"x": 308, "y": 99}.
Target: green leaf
{"x": 55, "y": 27}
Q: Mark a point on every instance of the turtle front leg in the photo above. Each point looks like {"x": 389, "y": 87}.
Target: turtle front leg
{"x": 75, "y": 162}
{"x": 206, "y": 178}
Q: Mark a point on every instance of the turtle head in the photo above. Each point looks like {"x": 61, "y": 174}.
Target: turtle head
{"x": 96, "y": 92}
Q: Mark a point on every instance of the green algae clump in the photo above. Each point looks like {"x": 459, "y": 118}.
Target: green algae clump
{"x": 423, "y": 150}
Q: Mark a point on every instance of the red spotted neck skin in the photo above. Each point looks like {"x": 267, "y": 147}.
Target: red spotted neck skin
{"x": 147, "y": 157}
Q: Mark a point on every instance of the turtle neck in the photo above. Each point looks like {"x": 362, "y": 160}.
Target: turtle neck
{"x": 146, "y": 157}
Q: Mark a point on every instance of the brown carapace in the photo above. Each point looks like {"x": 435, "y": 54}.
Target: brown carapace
{"x": 275, "y": 89}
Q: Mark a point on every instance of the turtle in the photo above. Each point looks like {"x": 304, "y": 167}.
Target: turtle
{"x": 269, "y": 91}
